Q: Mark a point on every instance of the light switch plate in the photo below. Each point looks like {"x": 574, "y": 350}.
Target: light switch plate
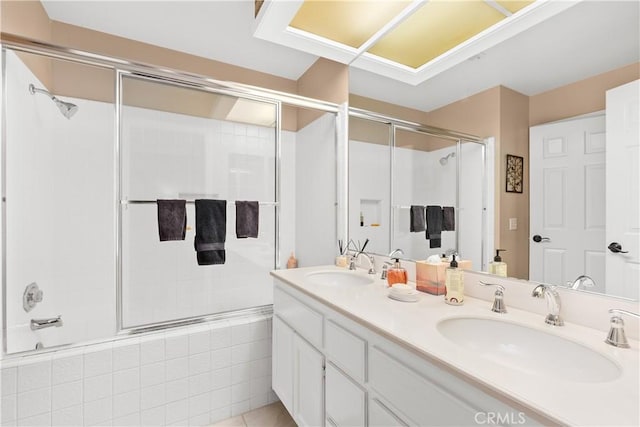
{"x": 513, "y": 223}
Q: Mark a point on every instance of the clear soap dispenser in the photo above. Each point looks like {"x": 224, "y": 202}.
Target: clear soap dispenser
{"x": 396, "y": 273}
{"x": 498, "y": 267}
{"x": 454, "y": 284}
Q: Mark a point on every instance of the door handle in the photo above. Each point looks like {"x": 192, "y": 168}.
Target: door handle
{"x": 537, "y": 238}
{"x": 616, "y": 248}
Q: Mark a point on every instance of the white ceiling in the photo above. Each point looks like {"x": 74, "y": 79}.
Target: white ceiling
{"x": 589, "y": 38}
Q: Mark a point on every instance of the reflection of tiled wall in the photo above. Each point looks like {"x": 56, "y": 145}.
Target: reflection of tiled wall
{"x": 188, "y": 376}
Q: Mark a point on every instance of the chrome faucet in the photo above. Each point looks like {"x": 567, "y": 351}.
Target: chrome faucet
{"x": 37, "y": 324}
{"x": 552, "y": 297}
{"x": 582, "y": 280}
{"x": 616, "y": 336}
{"x": 354, "y": 260}
{"x": 498, "y": 302}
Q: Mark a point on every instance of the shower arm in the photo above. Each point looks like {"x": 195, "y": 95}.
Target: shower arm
{"x": 34, "y": 89}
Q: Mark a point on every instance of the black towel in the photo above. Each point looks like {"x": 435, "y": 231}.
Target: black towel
{"x": 417, "y": 220}
{"x": 448, "y": 218}
{"x": 247, "y": 218}
{"x": 434, "y": 226}
{"x": 172, "y": 219}
{"x": 211, "y": 231}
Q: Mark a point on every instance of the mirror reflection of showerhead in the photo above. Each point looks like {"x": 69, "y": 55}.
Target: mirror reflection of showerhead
{"x": 444, "y": 160}
{"x": 66, "y": 108}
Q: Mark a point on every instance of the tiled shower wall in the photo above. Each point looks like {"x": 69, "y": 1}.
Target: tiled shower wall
{"x": 189, "y": 376}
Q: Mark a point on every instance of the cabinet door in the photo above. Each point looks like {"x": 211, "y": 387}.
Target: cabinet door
{"x": 308, "y": 384}
{"x": 381, "y": 416}
{"x": 345, "y": 400}
{"x": 282, "y": 362}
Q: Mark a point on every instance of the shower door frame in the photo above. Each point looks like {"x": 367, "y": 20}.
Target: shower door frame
{"x": 124, "y": 67}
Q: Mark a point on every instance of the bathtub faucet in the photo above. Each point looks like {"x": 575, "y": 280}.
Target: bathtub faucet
{"x": 37, "y": 324}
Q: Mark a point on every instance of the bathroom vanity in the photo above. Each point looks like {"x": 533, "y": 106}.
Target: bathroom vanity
{"x": 344, "y": 354}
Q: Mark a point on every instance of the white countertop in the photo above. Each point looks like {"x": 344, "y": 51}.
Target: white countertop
{"x": 613, "y": 403}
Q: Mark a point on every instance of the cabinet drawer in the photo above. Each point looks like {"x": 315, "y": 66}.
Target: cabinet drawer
{"x": 345, "y": 400}
{"x": 304, "y": 320}
{"x": 381, "y": 416}
{"x": 415, "y": 396}
{"x": 346, "y": 350}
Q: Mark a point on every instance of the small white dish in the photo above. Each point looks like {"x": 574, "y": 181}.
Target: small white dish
{"x": 404, "y": 298}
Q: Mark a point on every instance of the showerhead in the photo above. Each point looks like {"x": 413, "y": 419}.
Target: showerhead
{"x": 444, "y": 160}
{"x": 66, "y": 108}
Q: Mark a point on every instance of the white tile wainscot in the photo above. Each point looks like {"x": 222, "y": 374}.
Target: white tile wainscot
{"x": 348, "y": 355}
{"x": 194, "y": 375}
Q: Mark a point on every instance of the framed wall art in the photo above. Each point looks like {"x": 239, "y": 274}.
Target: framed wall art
{"x": 515, "y": 171}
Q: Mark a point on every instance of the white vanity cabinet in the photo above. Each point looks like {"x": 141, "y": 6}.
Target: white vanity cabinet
{"x": 329, "y": 369}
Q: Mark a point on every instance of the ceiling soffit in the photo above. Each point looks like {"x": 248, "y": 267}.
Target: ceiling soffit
{"x": 409, "y": 41}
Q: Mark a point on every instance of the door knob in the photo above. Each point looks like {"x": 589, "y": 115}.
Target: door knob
{"x": 616, "y": 248}
{"x": 537, "y": 238}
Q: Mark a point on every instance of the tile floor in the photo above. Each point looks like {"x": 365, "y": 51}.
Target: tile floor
{"x": 274, "y": 415}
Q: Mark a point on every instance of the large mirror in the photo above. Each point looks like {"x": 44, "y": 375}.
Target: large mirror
{"x": 530, "y": 80}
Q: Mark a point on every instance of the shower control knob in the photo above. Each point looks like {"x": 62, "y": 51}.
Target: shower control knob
{"x": 32, "y": 295}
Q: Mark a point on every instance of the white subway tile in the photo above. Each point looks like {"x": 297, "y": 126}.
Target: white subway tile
{"x": 240, "y": 373}
{"x": 131, "y": 420}
{"x": 241, "y": 334}
{"x": 97, "y": 412}
{"x": 221, "y": 398}
{"x": 219, "y": 414}
{"x": 36, "y": 421}
{"x": 176, "y": 411}
{"x": 96, "y": 388}
{"x": 220, "y": 337}
{"x": 97, "y": 363}
{"x": 67, "y": 417}
{"x": 199, "y": 420}
{"x": 261, "y": 367}
{"x": 199, "y": 342}
{"x": 176, "y": 368}
{"x": 240, "y": 392}
{"x": 241, "y": 353}
{"x": 199, "y": 404}
{"x": 126, "y": 403}
{"x": 261, "y": 329}
{"x": 179, "y": 423}
{"x": 221, "y": 358}
{"x": 66, "y": 369}
{"x": 259, "y": 401}
{"x": 177, "y": 390}
{"x": 152, "y": 350}
{"x": 199, "y": 363}
{"x": 152, "y": 417}
{"x": 240, "y": 408}
{"x": 220, "y": 378}
{"x": 127, "y": 380}
{"x": 200, "y": 383}
{"x": 34, "y": 403}
{"x": 66, "y": 395}
{"x": 176, "y": 346}
{"x": 152, "y": 374}
{"x": 151, "y": 397}
{"x": 260, "y": 349}
{"x": 8, "y": 408}
{"x": 32, "y": 376}
{"x": 126, "y": 356}
{"x": 9, "y": 381}
{"x": 259, "y": 386}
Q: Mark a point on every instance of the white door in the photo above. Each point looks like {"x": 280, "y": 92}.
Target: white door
{"x": 308, "y": 384}
{"x": 623, "y": 192}
{"x": 282, "y": 362}
{"x": 567, "y": 204}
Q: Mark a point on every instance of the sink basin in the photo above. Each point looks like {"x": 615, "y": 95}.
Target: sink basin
{"x": 529, "y": 350}
{"x": 338, "y": 278}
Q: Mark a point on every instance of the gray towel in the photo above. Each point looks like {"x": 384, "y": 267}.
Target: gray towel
{"x": 247, "y": 219}
{"x": 417, "y": 220}
{"x": 172, "y": 219}
{"x": 211, "y": 231}
{"x": 448, "y": 218}
{"x": 434, "y": 226}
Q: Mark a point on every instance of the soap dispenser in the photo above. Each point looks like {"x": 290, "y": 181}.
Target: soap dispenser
{"x": 498, "y": 267}
{"x": 454, "y": 284}
{"x": 396, "y": 273}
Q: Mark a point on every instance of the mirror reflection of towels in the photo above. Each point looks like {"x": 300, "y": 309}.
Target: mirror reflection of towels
{"x": 434, "y": 226}
{"x": 417, "y": 221}
{"x": 172, "y": 219}
{"x": 448, "y": 218}
{"x": 211, "y": 231}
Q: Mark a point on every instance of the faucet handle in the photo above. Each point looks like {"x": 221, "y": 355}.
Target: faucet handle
{"x": 498, "y": 302}
{"x": 616, "y": 336}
